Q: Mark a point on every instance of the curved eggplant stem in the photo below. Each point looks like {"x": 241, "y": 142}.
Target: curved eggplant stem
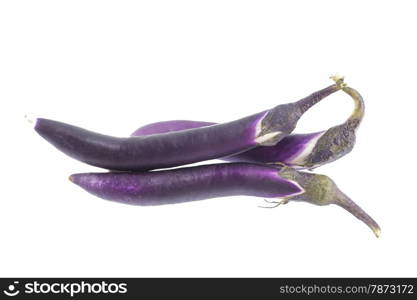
{"x": 307, "y": 102}
{"x": 344, "y": 201}
{"x": 359, "y": 111}
{"x": 321, "y": 190}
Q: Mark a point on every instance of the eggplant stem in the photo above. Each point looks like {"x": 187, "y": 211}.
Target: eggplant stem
{"x": 345, "y": 202}
{"x": 339, "y": 80}
{"x": 359, "y": 110}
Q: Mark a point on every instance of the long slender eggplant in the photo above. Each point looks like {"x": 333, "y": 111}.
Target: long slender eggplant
{"x": 183, "y": 147}
{"x": 309, "y": 150}
{"x": 219, "y": 180}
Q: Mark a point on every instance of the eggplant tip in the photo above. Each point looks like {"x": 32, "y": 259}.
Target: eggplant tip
{"x": 71, "y": 178}
{"x": 377, "y": 231}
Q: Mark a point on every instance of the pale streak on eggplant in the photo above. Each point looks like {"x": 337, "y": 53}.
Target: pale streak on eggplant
{"x": 321, "y": 190}
{"x": 298, "y": 161}
{"x": 269, "y": 139}
{"x": 266, "y": 139}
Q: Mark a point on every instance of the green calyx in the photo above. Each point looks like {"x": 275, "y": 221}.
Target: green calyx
{"x": 318, "y": 189}
{"x": 321, "y": 190}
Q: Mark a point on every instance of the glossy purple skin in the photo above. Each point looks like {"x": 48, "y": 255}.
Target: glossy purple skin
{"x": 169, "y": 126}
{"x": 187, "y": 184}
{"x": 181, "y": 147}
{"x": 284, "y": 151}
{"x": 153, "y": 151}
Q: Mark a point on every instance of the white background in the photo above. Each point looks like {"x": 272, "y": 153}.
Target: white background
{"x": 112, "y": 66}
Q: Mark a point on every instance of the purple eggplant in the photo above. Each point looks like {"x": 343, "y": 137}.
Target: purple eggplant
{"x": 182, "y": 147}
{"x": 309, "y": 150}
{"x": 219, "y": 180}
